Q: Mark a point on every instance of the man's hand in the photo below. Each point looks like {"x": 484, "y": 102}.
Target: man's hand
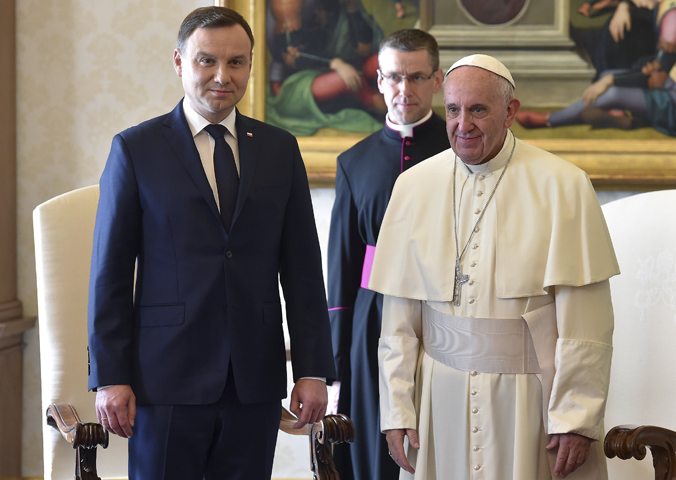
{"x": 649, "y": 4}
{"x": 584, "y": 9}
{"x": 116, "y": 409}
{"x": 573, "y": 452}
{"x": 334, "y": 396}
{"x": 395, "y": 442}
{"x": 597, "y": 88}
{"x": 308, "y": 401}
{"x": 656, "y": 77}
{"x": 620, "y": 23}
{"x": 347, "y": 73}
{"x": 290, "y": 56}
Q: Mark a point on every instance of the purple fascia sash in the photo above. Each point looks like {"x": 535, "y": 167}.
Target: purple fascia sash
{"x": 368, "y": 264}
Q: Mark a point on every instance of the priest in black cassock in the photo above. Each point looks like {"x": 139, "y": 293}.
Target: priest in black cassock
{"x": 408, "y": 77}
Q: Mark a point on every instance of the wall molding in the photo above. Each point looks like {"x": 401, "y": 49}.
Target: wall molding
{"x": 12, "y": 325}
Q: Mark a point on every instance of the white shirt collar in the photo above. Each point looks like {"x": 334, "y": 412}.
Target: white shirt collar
{"x": 197, "y": 122}
{"x": 406, "y": 130}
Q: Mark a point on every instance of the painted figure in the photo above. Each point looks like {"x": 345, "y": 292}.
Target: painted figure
{"x": 323, "y": 69}
{"x": 627, "y": 99}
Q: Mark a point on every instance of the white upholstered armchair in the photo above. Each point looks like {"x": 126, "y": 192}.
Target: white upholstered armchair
{"x": 643, "y": 383}
{"x": 64, "y": 228}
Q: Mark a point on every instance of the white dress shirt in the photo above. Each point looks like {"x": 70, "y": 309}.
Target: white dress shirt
{"x": 205, "y": 143}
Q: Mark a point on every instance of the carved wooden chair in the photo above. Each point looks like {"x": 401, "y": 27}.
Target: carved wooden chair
{"x": 642, "y": 389}
{"x": 64, "y": 229}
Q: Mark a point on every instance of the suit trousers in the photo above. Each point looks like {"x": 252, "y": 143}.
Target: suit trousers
{"x": 226, "y": 440}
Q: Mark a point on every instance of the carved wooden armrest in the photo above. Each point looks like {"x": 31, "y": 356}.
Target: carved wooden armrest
{"x": 629, "y": 441}
{"x": 84, "y": 437}
{"x": 332, "y": 429}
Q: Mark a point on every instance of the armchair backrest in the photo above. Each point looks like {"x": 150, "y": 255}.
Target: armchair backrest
{"x": 642, "y": 386}
{"x": 64, "y": 228}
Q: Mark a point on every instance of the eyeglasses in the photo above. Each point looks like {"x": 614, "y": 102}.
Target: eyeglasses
{"x": 394, "y": 79}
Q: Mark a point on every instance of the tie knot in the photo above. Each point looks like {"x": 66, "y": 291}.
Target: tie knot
{"x": 216, "y": 131}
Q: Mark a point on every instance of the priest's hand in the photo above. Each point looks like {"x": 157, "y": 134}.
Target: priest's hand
{"x": 573, "y": 452}
{"x": 395, "y": 443}
{"x": 116, "y": 409}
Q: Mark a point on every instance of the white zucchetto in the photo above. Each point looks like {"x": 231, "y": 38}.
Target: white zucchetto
{"x": 487, "y": 63}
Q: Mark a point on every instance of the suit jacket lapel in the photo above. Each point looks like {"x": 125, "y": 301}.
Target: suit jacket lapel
{"x": 180, "y": 138}
{"x": 248, "y": 159}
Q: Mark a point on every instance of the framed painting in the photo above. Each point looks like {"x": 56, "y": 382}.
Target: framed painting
{"x": 550, "y": 46}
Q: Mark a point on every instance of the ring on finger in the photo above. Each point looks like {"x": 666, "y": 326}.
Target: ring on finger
{"x": 104, "y": 418}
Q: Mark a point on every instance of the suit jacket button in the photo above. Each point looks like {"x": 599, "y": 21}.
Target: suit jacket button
{"x": 228, "y": 254}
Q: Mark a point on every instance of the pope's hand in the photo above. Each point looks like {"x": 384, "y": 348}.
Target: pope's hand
{"x": 395, "y": 442}
{"x": 573, "y": 452}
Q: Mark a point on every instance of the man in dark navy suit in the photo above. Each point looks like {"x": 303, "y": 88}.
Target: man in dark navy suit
{"x": 211, "y": 208}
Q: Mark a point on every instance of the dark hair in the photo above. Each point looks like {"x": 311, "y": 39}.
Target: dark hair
{"x": 412, "y": 40}
{"x": 210, "y": 17}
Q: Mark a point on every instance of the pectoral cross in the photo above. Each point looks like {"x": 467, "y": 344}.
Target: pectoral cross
{"x": 460, "y": 280}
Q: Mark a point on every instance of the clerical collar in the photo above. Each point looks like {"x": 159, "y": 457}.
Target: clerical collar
{"x": 406, "y": 130}
{"x": 497, "y": 162}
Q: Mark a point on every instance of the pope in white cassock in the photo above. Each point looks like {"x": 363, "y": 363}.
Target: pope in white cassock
{"x": 496, "y": 341}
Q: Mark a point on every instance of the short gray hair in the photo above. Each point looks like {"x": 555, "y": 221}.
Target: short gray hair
{"x": 505, "y": 89}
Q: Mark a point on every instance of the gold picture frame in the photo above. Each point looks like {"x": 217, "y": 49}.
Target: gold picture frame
{"x": 610, "y": 164}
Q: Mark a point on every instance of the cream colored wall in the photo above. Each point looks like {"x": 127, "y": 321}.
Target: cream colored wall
{"x": 86, "y": 69}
